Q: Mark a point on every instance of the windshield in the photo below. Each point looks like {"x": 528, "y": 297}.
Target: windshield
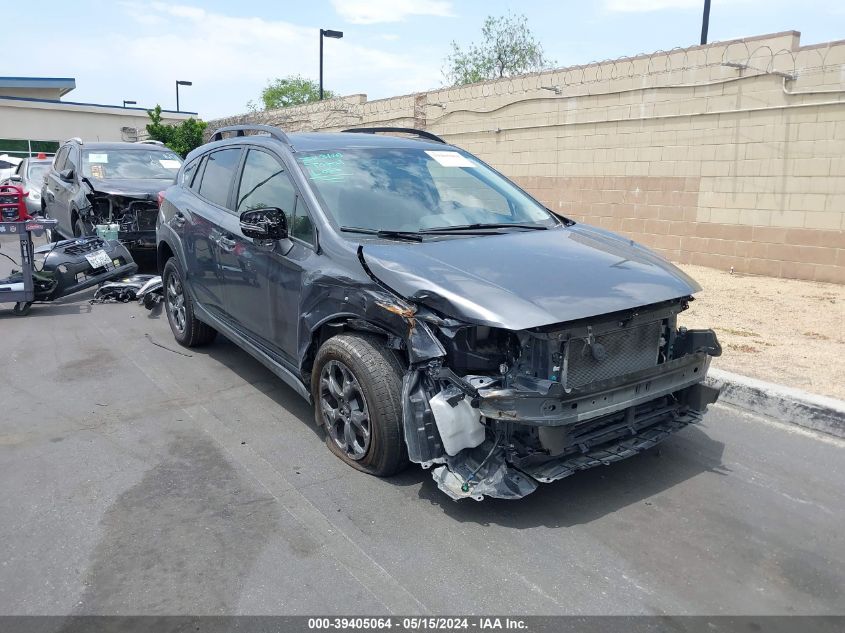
{"x": 37, "y": 171}
{"x": 402, "y": 189}
{"x": 130, "y": 164}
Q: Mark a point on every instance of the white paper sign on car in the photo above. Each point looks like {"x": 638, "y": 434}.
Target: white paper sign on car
{"x": 450, "y": 159}
{"x": 169, "y": 163}
{"x": 98, "y": 158}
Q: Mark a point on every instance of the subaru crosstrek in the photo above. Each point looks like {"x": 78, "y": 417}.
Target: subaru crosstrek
{"x": 430, "y": 309}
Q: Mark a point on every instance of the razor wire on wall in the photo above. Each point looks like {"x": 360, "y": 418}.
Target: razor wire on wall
{"x": 675, "y": 68}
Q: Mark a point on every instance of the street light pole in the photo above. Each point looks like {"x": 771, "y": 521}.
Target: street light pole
{"x": 705, "y": 22}
{"x": 336, "y": 35}
{"x": 181, "y": 83}
{"x": 321, "y": 64}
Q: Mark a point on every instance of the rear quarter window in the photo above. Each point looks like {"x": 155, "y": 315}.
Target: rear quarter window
{"x": 218, "y": 175}
{"x": 188, "y": 172}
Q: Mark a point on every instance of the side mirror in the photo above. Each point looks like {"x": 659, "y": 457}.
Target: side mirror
{"x": 268, "y": 223}
{"x": 66, "y": 175}
{"x": 16, "y": 178}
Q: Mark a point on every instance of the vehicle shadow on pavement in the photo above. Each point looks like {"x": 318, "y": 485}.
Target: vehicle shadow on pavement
{"x": 47, "y": 310}
{"x": 234, "y": 358}
{"x": 594, "y": 493}
{"x": 73, "y": 304}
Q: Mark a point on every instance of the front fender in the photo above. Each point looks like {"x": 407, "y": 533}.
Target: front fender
{"x": 327, "y": 301}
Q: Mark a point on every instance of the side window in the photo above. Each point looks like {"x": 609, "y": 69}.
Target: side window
{"x": 71, "y": 162}
{"x": 188, "y": 172}
{"x": 195, "y": 185}
{"x": 303, "y": 227}
{"x": 219, "y": 172}
{"x": 59, "y": 161}
{"x": 264, "y": 183}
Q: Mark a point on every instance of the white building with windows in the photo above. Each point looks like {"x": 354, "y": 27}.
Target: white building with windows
{"x": 33, "y": 117}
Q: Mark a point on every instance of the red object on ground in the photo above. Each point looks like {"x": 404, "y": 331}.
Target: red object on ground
{"x": 12, "y": 204}
{"x": 41, "y": 155}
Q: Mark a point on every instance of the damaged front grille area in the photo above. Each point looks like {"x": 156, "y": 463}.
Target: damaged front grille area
{"x": 139, "y": 216}
{"x": 135, "y": 217}
{"x": 533, "y": 446}
{"x": 85, "y": 245}
{"x": 579, "y": 354}
{"x": 504, "y": 411}
{"x": 489, "y": 471}
{"x": 623, "y": 351}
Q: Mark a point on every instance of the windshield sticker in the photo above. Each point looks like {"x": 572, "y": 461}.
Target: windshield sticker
{"x": 169, "y": 163}
{"x": 325, "y": 166}
{"x": 450, "y": 159}
{"x": 98, "y": 158}
{"x": 98, "y": 172}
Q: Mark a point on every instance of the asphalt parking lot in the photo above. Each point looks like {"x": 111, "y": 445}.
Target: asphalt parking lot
{"x": 144, "y": 480}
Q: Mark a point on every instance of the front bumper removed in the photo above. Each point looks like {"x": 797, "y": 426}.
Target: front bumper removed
{"x": 610, "y": 421}
{"x": 492, "y": 470}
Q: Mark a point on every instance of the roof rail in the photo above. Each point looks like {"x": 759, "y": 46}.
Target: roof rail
{"x": 240, "y": 130}
{"x": 75, "y": 139}
{"x": 150, "y": 141}
{"x": 405, "y": 130}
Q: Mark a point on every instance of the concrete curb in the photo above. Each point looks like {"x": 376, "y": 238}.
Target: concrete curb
{"x": 784, "y": 404}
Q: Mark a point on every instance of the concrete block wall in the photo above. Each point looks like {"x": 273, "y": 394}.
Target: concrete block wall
{"x": 730, "y": 155}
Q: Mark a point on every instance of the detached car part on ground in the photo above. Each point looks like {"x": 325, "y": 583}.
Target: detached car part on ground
{"x": 66, "y": 267}
{"x": 433, "y": 312}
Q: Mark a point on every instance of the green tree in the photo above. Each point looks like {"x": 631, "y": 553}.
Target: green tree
{"x": 180, "y": 138}
{"x": 291, "y": 91}
{"x": 508, "y": 48}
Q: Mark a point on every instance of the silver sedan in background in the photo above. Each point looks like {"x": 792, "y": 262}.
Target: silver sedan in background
{"x": 29, "y": 174}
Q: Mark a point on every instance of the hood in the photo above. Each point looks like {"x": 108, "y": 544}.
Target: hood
{"x": 132, "y": 188}
{"x": 529, "y": 278}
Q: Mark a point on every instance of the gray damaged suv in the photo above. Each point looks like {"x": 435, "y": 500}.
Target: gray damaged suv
{"x": 430, "y": 309}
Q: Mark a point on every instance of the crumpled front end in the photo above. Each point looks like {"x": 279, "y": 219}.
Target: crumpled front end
{"x": 135, "y": 217}
{"x": 503, "y": 411}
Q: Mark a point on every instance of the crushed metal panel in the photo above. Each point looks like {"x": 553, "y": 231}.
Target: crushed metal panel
{"x": 477, "y": 473}
{"x": 585, "y": 272}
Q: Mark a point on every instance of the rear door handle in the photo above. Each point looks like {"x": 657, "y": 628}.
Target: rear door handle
{"x": 226, "y": 244}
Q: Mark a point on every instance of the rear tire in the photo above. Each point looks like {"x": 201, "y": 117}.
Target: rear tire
{"x": 356, "y": 384}
{"x": 187, "y": 329}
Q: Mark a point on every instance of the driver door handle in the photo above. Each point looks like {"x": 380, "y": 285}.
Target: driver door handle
{"x": 226, "y": 244}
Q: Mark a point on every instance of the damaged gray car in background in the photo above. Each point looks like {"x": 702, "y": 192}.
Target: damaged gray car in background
{"x": 431, "y": 310}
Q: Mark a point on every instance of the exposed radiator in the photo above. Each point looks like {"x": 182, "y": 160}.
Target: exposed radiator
{"x": 612, "y": 354}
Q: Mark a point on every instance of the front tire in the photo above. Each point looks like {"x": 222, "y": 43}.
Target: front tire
{"x": 81, "y": 228}
{"x": 53, "y": 236}
{"x": 187, "y": 329}
{"x": 356, "y": 384}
